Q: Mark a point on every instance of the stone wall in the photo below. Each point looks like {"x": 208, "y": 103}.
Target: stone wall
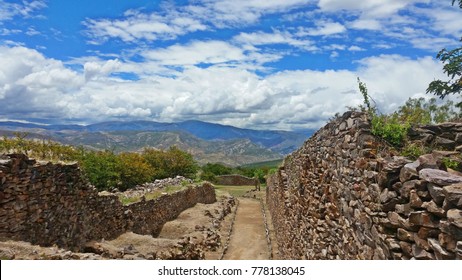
{"x": 335, "y": 198}
{"x": 47, "y": 204}
{"x": 235, "y": 180}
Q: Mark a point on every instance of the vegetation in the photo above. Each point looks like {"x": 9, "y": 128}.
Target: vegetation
{"x": 106, "y": 169}
{"x": 413, "y": 150}
{"x": 43, "y": 149}
{"x": 101, "y": 168}
{"x": 388, "y": 127}
{"x": 170, "y": 163}
{"x": 452, "y": 60}
{"x": 451, "y": 163}
{"x": 393, "y": 128}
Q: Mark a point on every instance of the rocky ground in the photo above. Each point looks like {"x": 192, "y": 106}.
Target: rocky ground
{"x": 198, "y": 233}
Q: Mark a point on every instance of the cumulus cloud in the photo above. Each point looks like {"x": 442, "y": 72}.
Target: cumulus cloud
{"x": 34, "y": 86}
{"x": 94, "y": 69}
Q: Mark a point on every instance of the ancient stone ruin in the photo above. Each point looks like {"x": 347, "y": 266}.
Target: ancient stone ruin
{"x": 335, "y": 198}
{"x": 235, "y": 180}
{"x": 344, "y": 194}
{"x": 51, "y": 204}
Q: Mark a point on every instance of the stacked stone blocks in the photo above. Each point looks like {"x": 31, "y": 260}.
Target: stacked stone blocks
{"x": 335, "y": 198}
{"x": 51, "y": 204}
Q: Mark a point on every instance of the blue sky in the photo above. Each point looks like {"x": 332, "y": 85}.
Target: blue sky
{"x": 261, "y": 64}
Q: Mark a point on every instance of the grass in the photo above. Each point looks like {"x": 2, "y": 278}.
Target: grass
{"x": 152, "y": 195}
{"x": 235, "y": 191}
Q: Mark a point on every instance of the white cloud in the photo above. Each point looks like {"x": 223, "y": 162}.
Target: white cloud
{"x": 326, "y": 28}
{"x": 446, "y": 20}
{"x": 392, "y": 79}
{"x": 175, "y": 21}
{"x": 94, "y": 69}
{"x": 355, "y": 49}
{"x": 10, "y": 10}
{"x": 277, "y": 37}
{"x": 223, "y": 13}
{"x": 334, "y": 55}
{"x": 365, "y": 24}
{"x": 368, "y": 8}
{"x": 335, "y": 47}
{"x": 32, "y": 84}
{"x": 208, "y": 52}
{"x": 35, "y": 86}
{"x": 139, "y": 26}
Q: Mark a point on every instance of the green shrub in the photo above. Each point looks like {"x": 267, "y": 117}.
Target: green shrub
{"x": 105, "y": 169}
{"x": 208, "y": 176}
{"x": 389, "y": 128}
{"x": 133, "y": 170}
{"x": 170, "y": 163}
{"x": 451, "y": 163}
{"x": 102, "y": 169}
{"x": 413, "y": 150}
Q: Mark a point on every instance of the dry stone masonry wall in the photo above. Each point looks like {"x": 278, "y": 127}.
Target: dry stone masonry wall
{"x": 335, "y": 198}
{"x": 235, "y": 180}
{"x": 47, "y": 204}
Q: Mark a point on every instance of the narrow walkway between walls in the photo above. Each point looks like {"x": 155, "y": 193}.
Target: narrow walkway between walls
{"x": 248, "y": 240}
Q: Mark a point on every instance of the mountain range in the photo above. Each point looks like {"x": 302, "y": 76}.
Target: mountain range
{"x": 207, "y": 142}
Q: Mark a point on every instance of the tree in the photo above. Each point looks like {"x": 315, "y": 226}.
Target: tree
{"x": 417, "y": 111}
{"x": 102, "y": 169}
{"x": 134, "y": 170}
{"x": 170, "y": 163}
{"x": 452, "y": 60}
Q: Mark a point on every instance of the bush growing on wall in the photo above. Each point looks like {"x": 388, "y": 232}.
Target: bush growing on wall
{"x": 394, "y": 127}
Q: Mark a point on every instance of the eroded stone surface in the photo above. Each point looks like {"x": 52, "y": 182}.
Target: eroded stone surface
{"x": 439, "y": 177}
{"x": 453, "y": 194}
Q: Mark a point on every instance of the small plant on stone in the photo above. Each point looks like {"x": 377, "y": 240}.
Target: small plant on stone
{"x": 451, "y": 163}
{"x": 413, "y": 150}
{"x": 387, "y": 127}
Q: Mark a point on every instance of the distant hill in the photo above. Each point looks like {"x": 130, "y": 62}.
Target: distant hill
{"x": 208, "y": 142}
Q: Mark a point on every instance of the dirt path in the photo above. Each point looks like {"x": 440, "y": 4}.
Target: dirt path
{"x": 248, "y": 240}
